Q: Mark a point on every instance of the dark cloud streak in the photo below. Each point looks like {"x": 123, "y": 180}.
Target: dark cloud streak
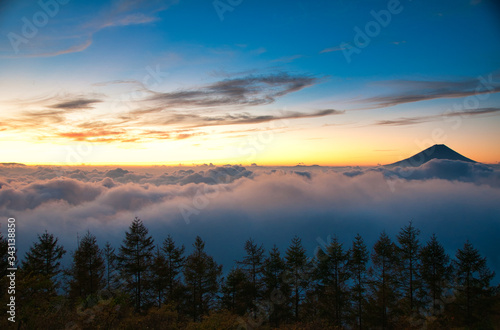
{"x": 403, "y": 121}
{"x": 429, "y": 90}
{"x": 250, "y": 91}
{"x": 79, "y": 103}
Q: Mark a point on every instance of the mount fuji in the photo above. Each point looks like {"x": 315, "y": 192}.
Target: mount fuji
{"x": 437, "y": 151}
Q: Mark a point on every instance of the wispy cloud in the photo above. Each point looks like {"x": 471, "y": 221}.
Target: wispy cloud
{"x": 132, "y": 19}
{"x": 288, "y": 59}
{"x": 249, "y": 90}
{"x": 403, "y": 121}
{"x": 332, "y": 49}
{"x": 416, "y": 91}
{"x": 247, "y": 118}
{"x": 79, "y": 103}
{"x": 176, "y": 115}
{"x": 75, "y": 36}
{"x": 192, "y": 123}
{"x": 79, "y": 47}
{"x": 43, "y": 112}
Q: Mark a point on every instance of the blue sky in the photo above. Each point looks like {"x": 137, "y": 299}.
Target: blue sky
{"x": 289, "y": 60}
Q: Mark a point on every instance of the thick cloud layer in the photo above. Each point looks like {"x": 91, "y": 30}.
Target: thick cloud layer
{"x": 226, "y": 205}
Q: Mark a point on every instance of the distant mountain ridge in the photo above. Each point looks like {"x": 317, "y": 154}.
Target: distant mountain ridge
{"x": 437, "y": 151}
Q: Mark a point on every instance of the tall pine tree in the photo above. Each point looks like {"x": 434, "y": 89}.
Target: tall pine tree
{"x": 358, "y": 260}
{"x": 87, "y": 269}
{"x": 174, "y": 259}
{"x": 237, "y": 292}
{"x": 384, "y": 284}
{"x": 473, "y": 278}
{"x": 135, "y": 259}
{"x": 44, "y": 260}
{"x": 201, "y": 275}
{"x": 110, "y": 261}
{"x": 409, "y": 248}
{"x": 252, "y": 264}
{"x": 332, "y": 273}
{"x": 159, "y": 280}
{"x": 436, "y": 274}
{"x": 275, "y": 286}
{"x": 297, "y": 266}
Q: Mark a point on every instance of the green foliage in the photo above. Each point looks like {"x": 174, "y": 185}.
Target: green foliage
{"x": 165, "y": 317}
{"x": 38, "y": 305}
{"x": 100, "y": 313}
{"x": 215, "y": 321}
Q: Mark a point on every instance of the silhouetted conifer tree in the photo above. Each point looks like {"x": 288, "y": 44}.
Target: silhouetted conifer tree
{"x": 237, "y": 291}
{"x": 201, "y": 275}
{"x": 384, "y": 284}
{"x": 472, "y": 282}
{"x": 87, "y": 269}
{"x": 276, "y": 289}
{"x": 332, "y": 274}
{"x": 44, "y": 259}
{"x": 174, "y": 259}
{"x": 159, "y": 276}
{"x": 135, "y": 259}
{"x": 358, "y": 260}
{"x": 409, "y": 248}
{"x": 298, "y": 272}
{"x": 252, "y": 264}
{"x": 436, "y": 274}
{"x": 4, "y": 256}
{"x": 110, "y": 261}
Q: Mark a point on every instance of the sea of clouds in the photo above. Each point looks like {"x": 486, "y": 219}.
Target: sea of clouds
{"x": 226, "y": 205}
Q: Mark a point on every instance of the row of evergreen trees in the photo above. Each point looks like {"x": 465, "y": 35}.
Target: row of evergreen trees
{"x": 400, "y": 284}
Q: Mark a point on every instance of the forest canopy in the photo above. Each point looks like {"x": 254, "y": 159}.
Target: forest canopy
{"x": 399, "y": 282}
